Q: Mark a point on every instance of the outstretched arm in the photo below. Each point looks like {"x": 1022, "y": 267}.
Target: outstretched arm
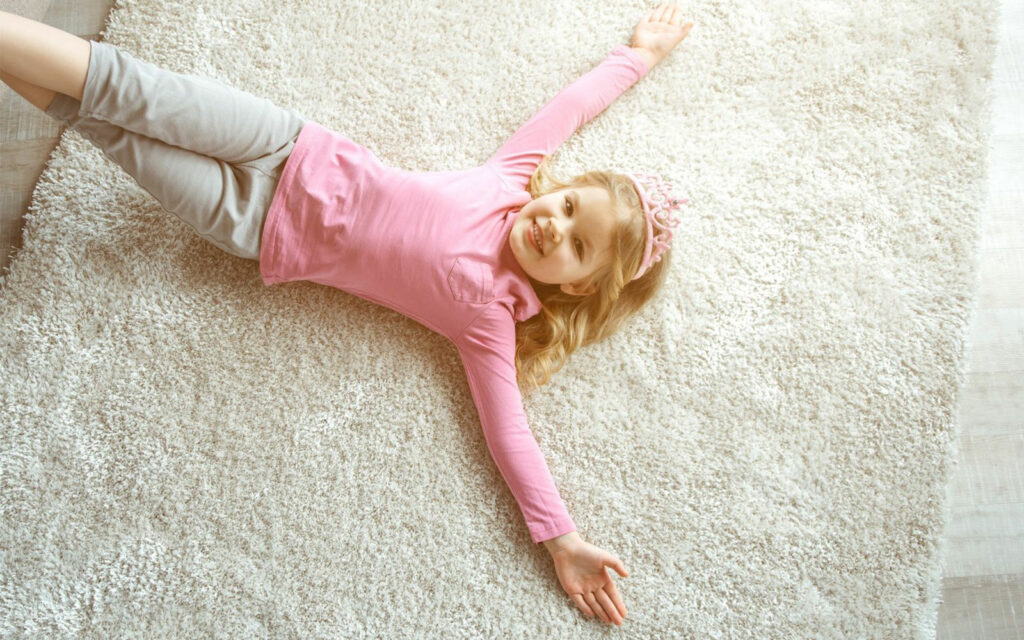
{"x": 654, "y": 37}
{"x": 487, "y": 349}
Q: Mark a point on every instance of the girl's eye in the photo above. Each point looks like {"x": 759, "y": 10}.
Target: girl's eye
{"x": 568, "y": 209}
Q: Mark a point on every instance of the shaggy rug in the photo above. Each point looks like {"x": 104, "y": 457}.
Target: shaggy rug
{"x": 186, "y": 452}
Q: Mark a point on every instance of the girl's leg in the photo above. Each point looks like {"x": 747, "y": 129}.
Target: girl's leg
{"x": 42, "y": 55}
{"x": 210, "y": 154}
{"x": 191, "y": 112}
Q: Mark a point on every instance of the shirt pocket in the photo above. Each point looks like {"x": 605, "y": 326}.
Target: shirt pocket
{"x": 471, "y": 281}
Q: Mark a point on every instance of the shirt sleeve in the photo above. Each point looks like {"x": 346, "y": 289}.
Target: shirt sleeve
{"x": 573, "y": 107}
{"x": 487, "y": 349}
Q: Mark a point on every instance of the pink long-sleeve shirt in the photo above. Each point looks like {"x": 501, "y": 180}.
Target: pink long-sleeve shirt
{"x": 434, "y": 246}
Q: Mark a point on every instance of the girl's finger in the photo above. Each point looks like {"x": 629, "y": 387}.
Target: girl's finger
{"x": 609, "y": 607}
{"x": 616, "y": 598}
{"x": 662, "y": 10}
{"x": 597, "y": 608}
{"x": 582, "y": 604}
{"x": 676, "y": 16}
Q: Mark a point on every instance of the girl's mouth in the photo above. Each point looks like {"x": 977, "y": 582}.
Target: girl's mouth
{"x": 535, "y": 237}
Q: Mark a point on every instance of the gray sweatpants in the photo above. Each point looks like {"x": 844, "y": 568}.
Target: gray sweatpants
{"x": 209, "y": 153}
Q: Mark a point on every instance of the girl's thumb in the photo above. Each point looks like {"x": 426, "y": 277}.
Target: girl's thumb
{"x": 621, "y": 568}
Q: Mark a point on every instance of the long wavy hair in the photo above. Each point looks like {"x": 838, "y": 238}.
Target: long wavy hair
{"x": 567, "y": 322}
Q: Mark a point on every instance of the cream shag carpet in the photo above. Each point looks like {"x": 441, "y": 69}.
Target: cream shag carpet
{"x": 187, "y": 453}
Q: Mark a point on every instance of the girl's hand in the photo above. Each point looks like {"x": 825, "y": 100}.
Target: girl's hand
{"x": 581, "y": 570}
{"x": 659, "y": 32}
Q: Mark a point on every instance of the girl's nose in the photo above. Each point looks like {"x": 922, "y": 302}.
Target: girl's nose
{"x": 554, "y": 233}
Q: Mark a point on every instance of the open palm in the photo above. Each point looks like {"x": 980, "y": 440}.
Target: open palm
{"x": 582, "y": 573}
{"x": 661, "y": 30}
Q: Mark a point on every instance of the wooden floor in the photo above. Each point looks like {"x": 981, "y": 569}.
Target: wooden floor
{"x": 983, "y": 587}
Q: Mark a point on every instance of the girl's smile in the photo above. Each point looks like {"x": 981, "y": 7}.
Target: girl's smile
{"x": 535, "y": 237}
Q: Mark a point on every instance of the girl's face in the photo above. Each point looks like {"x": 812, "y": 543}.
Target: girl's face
{"x": 574, "y": 229}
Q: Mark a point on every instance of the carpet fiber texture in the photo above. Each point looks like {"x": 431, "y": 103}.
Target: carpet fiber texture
{"x": 185, "y": 452}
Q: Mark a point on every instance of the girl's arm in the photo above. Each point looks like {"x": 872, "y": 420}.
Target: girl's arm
{"x": 653, "y": 38}
{"x": 487, "y": 349}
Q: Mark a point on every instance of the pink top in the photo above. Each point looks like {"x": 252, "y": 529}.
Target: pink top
{"x": 434, "y": 246}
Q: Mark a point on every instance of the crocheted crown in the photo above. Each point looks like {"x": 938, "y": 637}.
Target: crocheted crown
{"x": 663, "y": 213}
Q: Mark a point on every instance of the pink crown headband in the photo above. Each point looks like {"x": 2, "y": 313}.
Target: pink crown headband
{"x": 662, "y": 210}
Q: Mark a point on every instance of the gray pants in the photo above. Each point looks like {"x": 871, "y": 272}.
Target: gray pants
{"x": 210, "y": 154}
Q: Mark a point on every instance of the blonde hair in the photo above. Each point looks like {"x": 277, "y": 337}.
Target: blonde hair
{"x": 567, "y": 322}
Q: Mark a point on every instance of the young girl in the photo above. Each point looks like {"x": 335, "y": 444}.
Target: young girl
{"x": 468, "y": 253}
